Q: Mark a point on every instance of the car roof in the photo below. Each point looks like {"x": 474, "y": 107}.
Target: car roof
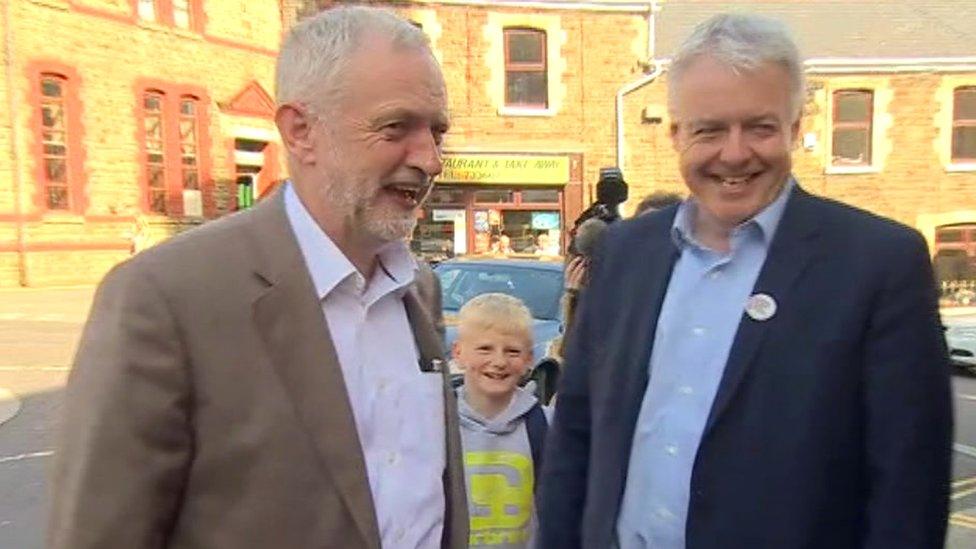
{"x": 554, "y": 264}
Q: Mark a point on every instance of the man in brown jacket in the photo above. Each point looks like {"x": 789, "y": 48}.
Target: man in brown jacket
{"x": 271, "y": 379}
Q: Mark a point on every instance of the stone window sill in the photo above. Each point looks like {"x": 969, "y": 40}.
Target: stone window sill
{"x": 526, "y": 111}
{"x": 852, "y": 170}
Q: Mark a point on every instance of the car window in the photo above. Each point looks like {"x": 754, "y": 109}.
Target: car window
{"x": 539, "y": 289}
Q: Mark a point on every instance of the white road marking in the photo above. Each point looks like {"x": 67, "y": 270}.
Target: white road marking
{"x": 964, "y": 450}
{"x": 22, "y": 457}
{"x": 966, "y": 397}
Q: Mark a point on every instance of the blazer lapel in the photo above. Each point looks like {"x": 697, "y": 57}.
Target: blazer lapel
{"x": 289, "y": 319}
{"x": 649, "y": 264}
{"x": 792, "y": 249}
{"x": 431, "y": 350}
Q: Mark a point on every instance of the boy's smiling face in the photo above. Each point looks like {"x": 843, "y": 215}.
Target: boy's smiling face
{"x": 494, "y": 361}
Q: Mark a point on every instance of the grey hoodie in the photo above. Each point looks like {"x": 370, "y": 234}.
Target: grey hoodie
{"x": 498, "y": 474}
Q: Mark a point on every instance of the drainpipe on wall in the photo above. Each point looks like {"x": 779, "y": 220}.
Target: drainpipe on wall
{"x": 14, "y": 145}
{"x": 656, "y": 70}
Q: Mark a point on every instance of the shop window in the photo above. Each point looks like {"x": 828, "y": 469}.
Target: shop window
{"x": 955, "y": 264}
{"x": 54, "y": 139}
{"x": 526, "y": 82}
{"x": 853, "y": 112}
{"x": 494, "y": 196}
{"x": 964, "y": 125}
{"x": 540, "y": 196}
{"x": 446, "y": 196}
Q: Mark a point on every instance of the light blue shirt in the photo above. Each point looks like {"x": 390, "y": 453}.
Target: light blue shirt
{"x": 702, "y": 308}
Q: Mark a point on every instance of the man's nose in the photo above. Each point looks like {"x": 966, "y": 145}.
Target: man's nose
{"x": 735, "y": 149}
{"x": 426, "y": 154}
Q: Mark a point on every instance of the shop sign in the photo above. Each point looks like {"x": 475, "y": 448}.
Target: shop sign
{"x": 505, "y": 169}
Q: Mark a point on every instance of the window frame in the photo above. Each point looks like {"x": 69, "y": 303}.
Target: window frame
{"x": 172, "y": 164}
{"x": 142, "y": 13}
{"x": 165, "y": 11}
{"x": 61, "y": 100}
{"x": 76, "y": 179}
{"x": 147, "y": 163}
{"x": 541, "y": 66}
{"x": 960, "y": 123}
{"x": 194, "y": 120}
{"x": 867, "y": 126}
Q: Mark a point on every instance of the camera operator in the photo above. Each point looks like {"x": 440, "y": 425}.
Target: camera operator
{"x": 611, "y": 191}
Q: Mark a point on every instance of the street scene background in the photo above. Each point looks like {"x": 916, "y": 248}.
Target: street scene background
{"x": 39, "y": 330}
{"x": 125, "y": 122}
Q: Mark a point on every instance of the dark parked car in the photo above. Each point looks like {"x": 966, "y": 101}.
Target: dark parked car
{"x": 538, "y": 283}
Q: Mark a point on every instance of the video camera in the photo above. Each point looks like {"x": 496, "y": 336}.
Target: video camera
{"x": 611, "y": 191}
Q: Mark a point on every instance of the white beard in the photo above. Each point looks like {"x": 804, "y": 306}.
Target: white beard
{"x": 353, "y": 199}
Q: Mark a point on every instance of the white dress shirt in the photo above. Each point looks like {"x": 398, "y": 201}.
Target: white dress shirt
{"x": 399, "y": 410}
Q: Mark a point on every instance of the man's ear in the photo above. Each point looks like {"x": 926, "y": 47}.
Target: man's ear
{"x": 296, "y": 126}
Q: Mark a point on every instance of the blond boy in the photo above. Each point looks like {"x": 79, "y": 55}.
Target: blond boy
{"x": 502, "y": 425}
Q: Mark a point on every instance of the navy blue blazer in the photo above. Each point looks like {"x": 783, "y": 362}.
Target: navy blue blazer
{"x": 832, "y": 425}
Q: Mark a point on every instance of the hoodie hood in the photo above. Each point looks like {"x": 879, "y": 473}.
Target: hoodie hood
{"x": 505, "y": 422}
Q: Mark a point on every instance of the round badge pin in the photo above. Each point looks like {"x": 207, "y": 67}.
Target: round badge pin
{"x": 761, "y": 307}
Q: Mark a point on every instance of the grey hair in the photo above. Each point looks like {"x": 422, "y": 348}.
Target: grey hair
{"x": 744, "y": 42}
{"x": 317, "y": 50}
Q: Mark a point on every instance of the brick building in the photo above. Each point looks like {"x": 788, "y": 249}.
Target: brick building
{"x": 890, "y": 121}
{"x": 543, "y": 94}
{"x": 125, "y": 121}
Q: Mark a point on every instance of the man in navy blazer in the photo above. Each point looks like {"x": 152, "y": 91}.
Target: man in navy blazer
{"x": 756, "y": 367}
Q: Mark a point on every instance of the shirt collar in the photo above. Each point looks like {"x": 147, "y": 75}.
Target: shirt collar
{"x": 767, "y": 220}
{"x": 329, "y": 267}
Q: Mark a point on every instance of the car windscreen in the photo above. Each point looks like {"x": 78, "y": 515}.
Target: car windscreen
{"x": 539, "y": 289}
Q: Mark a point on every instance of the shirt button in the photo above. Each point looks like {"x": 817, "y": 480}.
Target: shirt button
{"x": 714, "y": 274}
{"x": 663, "y": 512}
{"x": 698, "y": 331}
{"x": 686, "y": 390}
{"x": 671, "y": 449}
{"x": 399, "y": 534}
{"x": 393, "y": 458}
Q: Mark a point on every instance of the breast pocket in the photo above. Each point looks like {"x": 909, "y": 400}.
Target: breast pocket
{"x": 420, "y": 415}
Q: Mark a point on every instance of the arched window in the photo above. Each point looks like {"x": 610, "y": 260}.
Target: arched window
{"x": 155, "y": 136}
{"x": 54, "y": 139}
{"x": 188, "y": 142}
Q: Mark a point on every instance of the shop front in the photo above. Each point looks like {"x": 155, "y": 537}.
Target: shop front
{"x": 501, "y": 204}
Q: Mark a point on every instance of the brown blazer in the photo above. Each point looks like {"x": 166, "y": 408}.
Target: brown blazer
{"x": 207, "y": 409}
